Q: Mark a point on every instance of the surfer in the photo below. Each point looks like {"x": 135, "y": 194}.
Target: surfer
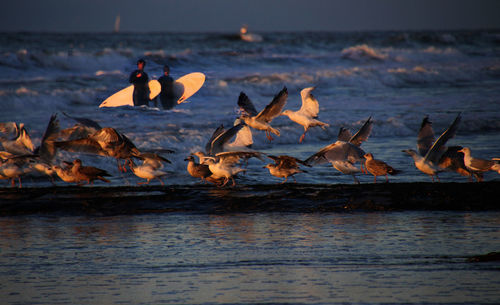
{"x": 140, "y": 80}
{"x": 167, "y": 96}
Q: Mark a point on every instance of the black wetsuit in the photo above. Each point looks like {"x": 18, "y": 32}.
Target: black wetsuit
{"x": 167, "y": 97}
{"x": 141, "y": 88}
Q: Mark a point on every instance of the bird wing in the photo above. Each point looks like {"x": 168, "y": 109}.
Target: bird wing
{"x": 93, "y": 171}
{"x": 363, "y": 133}
{"x": 344, "y": 134}
{"x": 232, "y": 157}
{"x": 275, "y": 107}
{"x": 217, "y": 132}
{"x": 425, "y": 137}
{"x": 438, "y": 148}
{"x": 246, "y": 104}
{"x": 310, "y": 105}
{"x": 107, "y": 134}
{"x": 287, "y": 161}
{"x": 481, "y": 164}
{"x": 217, "y": 144}
{"x": 243, "y": 138}
{"x": 46, "y": 150}
{"x": 151, "y": 156}
{"x": 84, "y": 121}
{"x": 9, "y": 128}
{"x": 338, "y": 151}
{"x": 81, "y": 145}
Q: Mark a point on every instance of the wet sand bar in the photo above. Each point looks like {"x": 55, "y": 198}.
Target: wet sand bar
{"x": 300, "y": 198}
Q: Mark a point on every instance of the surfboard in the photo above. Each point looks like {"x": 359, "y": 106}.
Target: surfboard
{"x": 184, "y": 88}
{"x": 187, "y": 85}
{"x": 124, "y": 96}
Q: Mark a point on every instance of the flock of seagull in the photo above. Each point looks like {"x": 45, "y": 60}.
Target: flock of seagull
{"x": 223, "y": 160}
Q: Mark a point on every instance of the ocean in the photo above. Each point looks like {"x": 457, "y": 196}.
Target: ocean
{"x": 397, "y": 78}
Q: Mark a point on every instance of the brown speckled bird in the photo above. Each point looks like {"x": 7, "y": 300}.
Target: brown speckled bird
{"x": 378, "y": 168}
{"x": 88, "y": 173}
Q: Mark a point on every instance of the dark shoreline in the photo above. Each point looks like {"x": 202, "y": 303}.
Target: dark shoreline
{"x": 206, "y": 199}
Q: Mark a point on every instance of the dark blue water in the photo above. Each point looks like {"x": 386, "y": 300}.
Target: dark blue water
{"x": 372, "y": 258}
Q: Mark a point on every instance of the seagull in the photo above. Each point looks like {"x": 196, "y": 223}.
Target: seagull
{"x": 65, "y": 173}
{"x": 11, "y": 170}
{"x": 152, "y": 159}
{"x": 451, "y": 160}
{"x": 197, "y": 170}
{"x": 88, "y": 173}
{"x": 342, "y": 155}
{"x": 378, "y": 168}
{"x": 223, "y": 164}
{"x": 284, "y": 167}
{"x": 220, "y": 138}
{"x": 477, "y": 165}
{"x": 358, "y": 138}
{"x": 428, "y": 157}
{"x": 104, "y": 142}
{"x": 21, "y": 144}
{"x": 146, "y": 171}
{"x": 307, "y": 114}
{"x": 262, "y": 120}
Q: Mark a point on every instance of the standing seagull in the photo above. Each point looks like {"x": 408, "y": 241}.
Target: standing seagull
{"x": 197, "y": 170}
{"x": 428, "y": 163}
{"x": 307, "y": 114}
{"x": 378, "y": 168}
{"x": 284, "y": 167}
{"x": 88, "y": 173}
{"x": 477, "y": 165}
{"x": 224, "y": 165}
{"x": 262, "y": 120}
{"x": 146, "y": 171}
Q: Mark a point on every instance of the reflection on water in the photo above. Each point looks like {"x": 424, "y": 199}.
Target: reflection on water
{"x": 412, "y": 257}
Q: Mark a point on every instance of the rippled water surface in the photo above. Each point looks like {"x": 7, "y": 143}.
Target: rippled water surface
{"x": 404, "y": 257}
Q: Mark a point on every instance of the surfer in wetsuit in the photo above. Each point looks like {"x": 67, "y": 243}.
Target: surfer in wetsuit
{"x": 167, "y": 96}
{"x": 140, "y": 80}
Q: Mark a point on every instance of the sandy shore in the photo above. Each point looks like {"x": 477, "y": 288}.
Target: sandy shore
{"x": 302, "y": 198}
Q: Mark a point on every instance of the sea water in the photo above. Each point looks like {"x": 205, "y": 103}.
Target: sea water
{"x": 358, "y": 258}
{"x": 397, "y": 78}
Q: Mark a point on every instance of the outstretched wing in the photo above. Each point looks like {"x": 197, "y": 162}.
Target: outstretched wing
{"x": 275, "y": 107}
{"x": 310, "y": 105}
{"x": 46, "y": 150}
{"x": 344, "y": 134}
{"x": 425, "y": 137}
{"x": 338, "y": 151}
{"x": 82, "y": 146}
{"x": 84, "y": 121}
{"x": 363, "y": 133}
{"x": 246, "y": 104}
{"x": 217, "y": 144}
{"x": 217, "y": 132}
{"x": 232, "y": 157}
{"x": 438, "y": 148}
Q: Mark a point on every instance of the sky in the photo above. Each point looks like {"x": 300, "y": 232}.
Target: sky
{"x": 260, "y": 15}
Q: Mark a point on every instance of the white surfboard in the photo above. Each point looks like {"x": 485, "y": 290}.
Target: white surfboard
{"x": 184, "y": 88}
{"x": 124, "y": 97}
{"x": 189, "y": 84}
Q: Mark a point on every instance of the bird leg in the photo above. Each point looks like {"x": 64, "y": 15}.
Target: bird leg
{"x": 161, "y": 181}
{"x": 294, "y": 179}
{"x": 386, "y": 178}
{"x": 302, "y": 137}
{"x": 234, "y": 182}
{"x": 12, "y": 182}
{"x": 374, "y": 179}
{"x": 268, "y": 135}
{"x": 355, "y": 180}
{"x": 286, "y": 179}
{"x": 226, "y": 180}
